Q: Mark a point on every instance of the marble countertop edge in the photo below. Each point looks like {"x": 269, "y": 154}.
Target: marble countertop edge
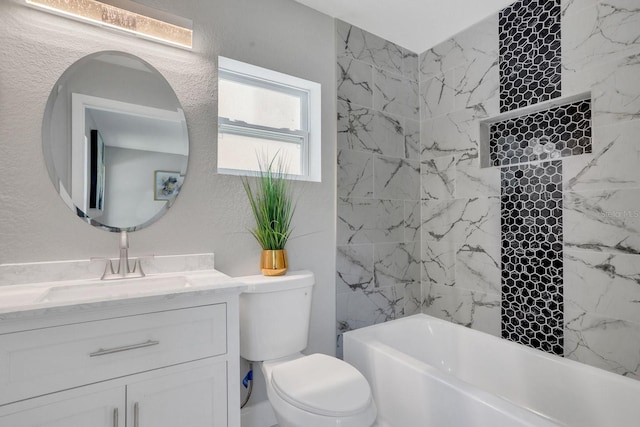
{"x": 129, "y": 290}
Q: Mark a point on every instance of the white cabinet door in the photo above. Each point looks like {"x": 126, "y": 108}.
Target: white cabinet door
{"x": 196, "y": 397}
{"x": 103, "y": 408}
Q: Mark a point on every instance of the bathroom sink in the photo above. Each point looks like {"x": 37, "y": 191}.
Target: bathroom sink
{"x": 115, "y": 289}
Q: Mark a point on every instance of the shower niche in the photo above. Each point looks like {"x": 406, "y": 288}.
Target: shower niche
{"x": 548, "y": 130}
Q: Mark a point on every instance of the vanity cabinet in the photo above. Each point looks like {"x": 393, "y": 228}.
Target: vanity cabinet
{"x": 197, "y": 399}
{"x": 137, "y": 365}
{"x": 193, "y": 395}
{"x": 93, "y": 409}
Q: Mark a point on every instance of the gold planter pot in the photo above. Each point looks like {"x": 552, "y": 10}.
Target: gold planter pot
{"x": 274, "y": 262}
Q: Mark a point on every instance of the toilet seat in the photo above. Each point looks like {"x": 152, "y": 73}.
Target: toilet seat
{"x": 322, "y": 385}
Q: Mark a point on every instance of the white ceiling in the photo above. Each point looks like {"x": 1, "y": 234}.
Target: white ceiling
{"x": 417, "y": 25}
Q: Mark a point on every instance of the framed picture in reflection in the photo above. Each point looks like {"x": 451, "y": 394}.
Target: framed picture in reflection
{"x": 166, "y": 185}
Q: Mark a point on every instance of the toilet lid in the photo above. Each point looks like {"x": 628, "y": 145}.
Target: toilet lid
{"x": 322, "y": 385}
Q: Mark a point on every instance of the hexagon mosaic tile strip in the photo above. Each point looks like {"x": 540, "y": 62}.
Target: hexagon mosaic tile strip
{"x": 530, "y": 67}
{"x": 532, "y": 255}
{"x": 557, "y": 132}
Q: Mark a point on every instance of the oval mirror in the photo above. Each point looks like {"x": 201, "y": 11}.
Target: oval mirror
{"x": 115, "y": 141}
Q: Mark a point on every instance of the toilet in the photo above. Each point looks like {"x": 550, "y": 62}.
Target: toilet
{"x": 304, "y": 390}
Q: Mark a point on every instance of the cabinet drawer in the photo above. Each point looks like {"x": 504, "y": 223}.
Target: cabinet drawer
{"x": 45, "y": 360}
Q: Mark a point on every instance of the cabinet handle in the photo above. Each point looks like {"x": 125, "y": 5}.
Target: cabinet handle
{"x": 115, "y": 417}
{"x": 103, "y": 351}
{"x": 136, "y": 415}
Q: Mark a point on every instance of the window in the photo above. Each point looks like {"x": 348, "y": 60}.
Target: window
{"x": 263, "y": 113}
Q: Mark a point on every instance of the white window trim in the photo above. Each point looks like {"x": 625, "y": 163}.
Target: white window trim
{"x": 311, "y": 151}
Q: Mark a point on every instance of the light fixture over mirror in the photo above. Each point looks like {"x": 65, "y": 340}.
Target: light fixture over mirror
{"x": 132, "y": 18}
{"x": 115, "y": 141}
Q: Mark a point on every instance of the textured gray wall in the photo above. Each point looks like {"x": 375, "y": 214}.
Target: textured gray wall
{"x": 211, "y": 214}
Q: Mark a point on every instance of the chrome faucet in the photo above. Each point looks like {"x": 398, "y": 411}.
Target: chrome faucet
{"x": 123, "y": 263}
{"x": 124, "y": 268}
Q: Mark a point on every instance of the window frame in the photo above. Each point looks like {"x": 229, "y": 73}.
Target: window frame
{"x": 310, "y": 112}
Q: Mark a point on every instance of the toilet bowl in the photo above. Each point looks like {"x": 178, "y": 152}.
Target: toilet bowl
{"x": 318, "y": 391}
{"x": 314, "y": 390}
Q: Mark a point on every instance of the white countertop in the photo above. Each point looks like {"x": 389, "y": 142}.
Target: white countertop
{"x": 19, "y": 300}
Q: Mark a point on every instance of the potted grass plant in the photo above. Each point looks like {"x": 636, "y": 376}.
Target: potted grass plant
{"x": 272, "y": 205}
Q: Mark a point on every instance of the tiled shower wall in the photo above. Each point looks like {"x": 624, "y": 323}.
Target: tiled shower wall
{"x": 378, "y": 227}
{"x": 461, "y": 235}
{"x": 459, "y": 82}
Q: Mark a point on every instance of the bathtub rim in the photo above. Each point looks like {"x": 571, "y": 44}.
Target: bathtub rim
{"x": 552, "y": 358}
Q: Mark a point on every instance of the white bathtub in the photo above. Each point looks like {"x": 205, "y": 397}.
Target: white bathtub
{"x": 426, "y": 372}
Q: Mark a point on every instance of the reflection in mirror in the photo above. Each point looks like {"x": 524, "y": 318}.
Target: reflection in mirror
{"x": 115, "y": 141}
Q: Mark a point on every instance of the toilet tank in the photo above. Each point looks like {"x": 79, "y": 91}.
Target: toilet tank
{"x": 274, "y": 315}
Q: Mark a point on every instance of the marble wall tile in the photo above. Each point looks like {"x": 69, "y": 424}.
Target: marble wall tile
{"x": 395, "y": 94}
{"x": 604, "y": 31}
{"x": 396, "y": 263}
{"x": 364, "y": 129}
{"x": 479, "y": 40}
{"x": 601, "y": 206}
{"x": 476, "y": 310}
{"x": 396, "y": 178}
{"x": 607, "y": 220}
{"x": 355, "y": 81}
{"x": 490, "y": 107}
{"x": 369, "y": 48}
{"x": 473, "y": 44}
{"x": 369, "y": 221}
{"x": 354, "y": 268}
{"x": 355, "y": 174}
{"x": 478, "y": 268}
{"x": 438, "y": 262}
{"x": 379, "y": 210}
{"x": 467, "y": 64}
{"x": 440, "y": 58}
{"x": 438, "y": 178}
{"x": 603, "y": 342}
{"x": 412, "y": 220}
{"x": 412, "y": 139}
{"x": 412, "y": 299}
{"x": 616, "y": 97}
{"x": 471, "y": 221}
{"x": 437, "y": 95}
{"x": 369, "y": 307}
{"x": 603, "y": 283}
{"x": 411, "y": 65}
{"x": 613, "y": 164}
{"x": 476, "y": 81}
{"x": 575, "y": 81}
{"x": 570, "y": 7}
{"x": 454, "y": 133}
{"x": 473, "y": 181}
